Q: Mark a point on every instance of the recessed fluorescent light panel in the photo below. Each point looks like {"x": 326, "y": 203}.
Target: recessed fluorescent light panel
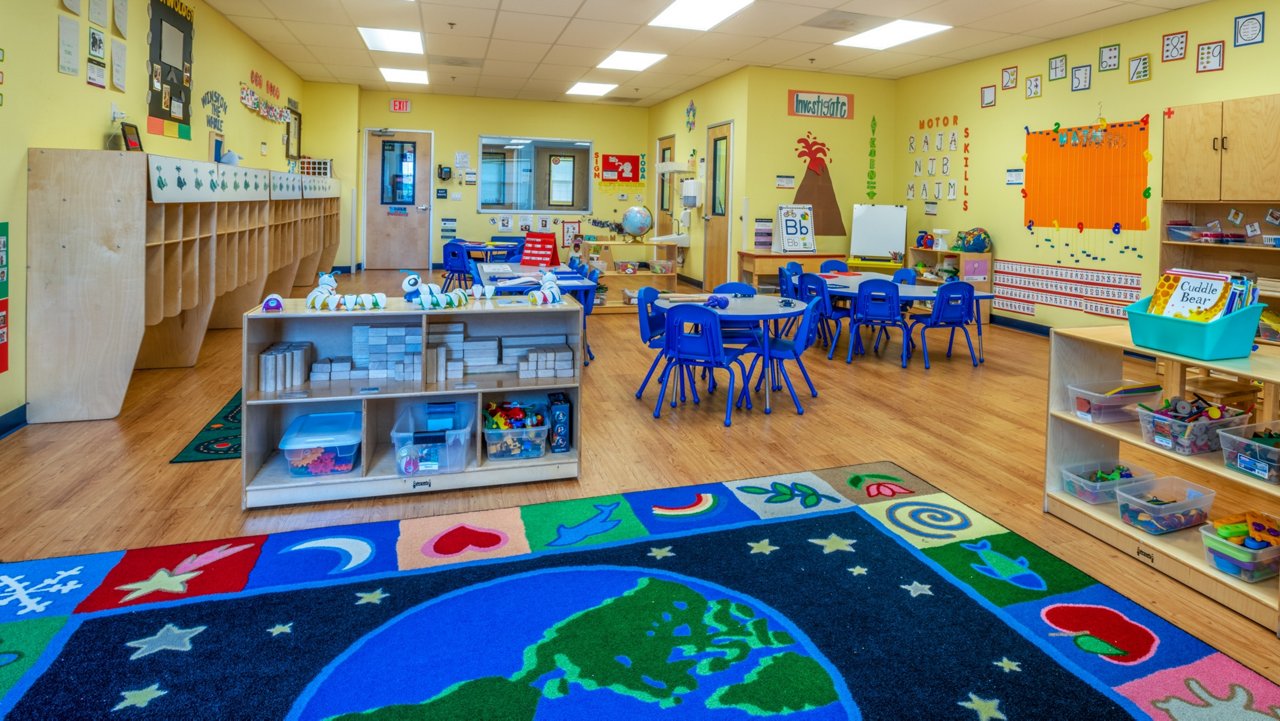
{"x": 410, "y": 77}
{"x": 895, "y": 33}
{"x": 590, "y": 89}
{"x": 392, "y": 41}
{"x": 698, "y": 14}
{"x": 626, "y": 60}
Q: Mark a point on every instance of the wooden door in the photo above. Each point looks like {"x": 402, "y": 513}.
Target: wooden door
{"x": 1192, "y": 158}
{"x": 397, "y": 205}
{"x": 668, "y": 194}
{"x": 715, "y": 249}
{"x": 1250, "y": 149}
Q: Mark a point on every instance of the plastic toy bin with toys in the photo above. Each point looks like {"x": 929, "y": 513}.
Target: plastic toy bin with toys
{"x": 1163, "y": 505}
{"x": 1097, "y": 482}
{"x": 433, "y": 438}
{"x": 1188, "y": 427}
{"x": 1109, "y": 401}
{"x": 515, "y": 430}
{"x": 1246, "y": 546}
{"x": 1230, "y": 336}
{"x": 322, "y": 444}
{"x": 1253, "y": 450}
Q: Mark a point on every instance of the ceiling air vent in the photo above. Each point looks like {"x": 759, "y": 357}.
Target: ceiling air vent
{"x": 455, "y": 62}
{"x": 849, "y": 22}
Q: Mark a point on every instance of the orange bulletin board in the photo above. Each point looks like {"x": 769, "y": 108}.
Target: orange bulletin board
{"x": 1093, "y": 176}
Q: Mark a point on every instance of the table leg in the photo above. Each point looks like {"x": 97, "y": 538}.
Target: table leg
{"x": 767, "y": 368}
{"x": 977, "y": 313}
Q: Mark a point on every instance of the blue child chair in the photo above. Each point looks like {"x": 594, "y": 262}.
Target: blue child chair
{"x": 831, "y": 265}
{"x": 791, "y": 349}
{"x": 813, "y": 286}
{"x": 693, "y": 340}
{"x": 952, "y": 308}
{"x": 456, "y": 270}
{"x": 878, "y": 307}
{"x": 588, "y": 300}
{"x": 653, "y": 327}
{"x": 474, "y": 269}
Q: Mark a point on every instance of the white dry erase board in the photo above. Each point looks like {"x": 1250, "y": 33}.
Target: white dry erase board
{"x": 793, "y": 231}
{"x": 878, "y": 231}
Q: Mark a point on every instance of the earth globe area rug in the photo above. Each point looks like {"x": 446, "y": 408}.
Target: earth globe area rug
{"x": 860, "y": 592}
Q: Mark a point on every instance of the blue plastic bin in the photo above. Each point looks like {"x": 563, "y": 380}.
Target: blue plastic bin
{"x": 1230, "y": 336}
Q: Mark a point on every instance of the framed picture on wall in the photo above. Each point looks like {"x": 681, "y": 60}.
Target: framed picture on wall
{"x": 293, "y": 136}
{"x": 132, "y": 138}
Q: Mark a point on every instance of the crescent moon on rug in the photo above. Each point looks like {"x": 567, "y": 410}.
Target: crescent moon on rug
{"x": 355, "y": 551}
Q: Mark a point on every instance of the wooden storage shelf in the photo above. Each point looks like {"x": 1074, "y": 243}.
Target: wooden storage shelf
{"x": 266, "y": 477}
{"x": 933, "y": 256}
{"x": 1223, "y": 246}
{"x": 608, "y": 251}
{"x": 1082, "y": 355}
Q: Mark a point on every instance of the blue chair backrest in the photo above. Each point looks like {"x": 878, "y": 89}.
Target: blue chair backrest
{"x": 954, "y": 303}
{"x": 733, "y": 287}
{"x": 811, "y": 286}
{"x": 833, "y": 265}
{"x": 704, "y": 344}
{"x": 593, "y": 275}
{"x": 905, "y": 276}
{"x": 807, "y": 331}
{"x": 574, "y": 262}
{"x": 653, "y": 319}
{"x": 455, "y": 258}
{"x": 588, "y": 296}
{"x": 786, "y": 283}
{"x": 794, "y": 268}
{"x": 878, "y": 301}
{"x": 474, "y": 269}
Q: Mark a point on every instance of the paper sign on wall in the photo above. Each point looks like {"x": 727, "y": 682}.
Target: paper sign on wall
{"x": 793, "y": 231}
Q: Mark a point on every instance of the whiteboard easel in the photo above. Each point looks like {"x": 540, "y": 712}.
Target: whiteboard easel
{"x": 793, "y": 230}
{"x": 878, "y": 231}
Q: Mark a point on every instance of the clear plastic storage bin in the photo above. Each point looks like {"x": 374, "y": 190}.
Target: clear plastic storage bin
{"x": 322, "y": 444}
{"x": 1244, "y": 563}
{"x": 1259, "y": 458}
{"x": 1187, "y": 439}
{"x": 516, "y": 443}
{"x": 1077, "y": 480}
{"x": 433, "y": 438}
{"x": 1164, "y": 505}
{"x": 1092, "y": 403}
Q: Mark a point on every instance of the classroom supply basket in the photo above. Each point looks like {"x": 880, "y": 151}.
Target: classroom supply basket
{"x": 1256, "y": 457}
{"x": 510, "y": 444}
{"x": 433, "y": 438}
{"x": 1092, "y": 403}
{"x": 322, "y": 444}
{"x": 1187, "y": 438}
{"x": 1247, "y": 564}
{"x": 1230, "y": 336}
{"x": 1164, "y": 505}
{"x": 1079, "y": 480}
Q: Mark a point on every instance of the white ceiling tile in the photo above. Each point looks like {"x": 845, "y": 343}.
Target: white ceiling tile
{"x": 314, "y": 72}
{"x": 547, "y": 71}
{"x": 1169, "y": 4}
{"x": 826, "y": 57}
{"x": 526, "y": 26}
{"x": 396, "y": 14}
{"x": 721, "y": 69}
{"x": 1029, "y": 17}
{"x": 682, "y": 64}
{"x": 546, "y": 86}
{"x": 346, "y": 74}
{"x": 458, "y": 46}
{"x": 950, "y": 40}
{"x": 806, "y": 34}
{"x": 478, "y": 4}
{"x": 566, "y": 55}
{"x": 507, "y": 68}
{"x": 452, "y": 71}
{"x": 515, "y": 50}
{"x": 1095, "y": 21}
{"x": 899, "y": 9}
{"x": 878, "y": 62}
{"x": 563, "y": 8}
{"x": 494, "y": 82}
{"x": 506, "y": 94}
{"x": 964, "y": 12}
{"x": 264, "y": 30}
{"x": 248, "y": 8}
{"x": 639, "y": 12}
{"x": 319, "y": 11}
{"x": 343, "y": 56}
{"x": 654, "y": 79}
{"x": 995, "y": 47}
{"x": 771, "y": 52}
{"x": 334, "y": 36}
{"x": 660, "y": 40}
{"x": 291, "y": 53}
{"x": 919, "y": 66}
{"x": 824, "y": 4}
{"x": 719, "y": 45}
{"x": 446, "y": 83}
{"x": 766, "y": 19}
{"x": 596, "y": 34}
{"x": 472, "y": 21}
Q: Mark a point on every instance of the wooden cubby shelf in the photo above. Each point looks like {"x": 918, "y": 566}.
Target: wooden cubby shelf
{"x": 266, "y": 477}
{"x": 1086, "y": 355}
{"x": 611, "y": 251}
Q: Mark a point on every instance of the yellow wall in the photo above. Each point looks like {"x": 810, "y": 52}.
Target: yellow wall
{"x": 458, "y": 122}
{"x": 997, "y": 134}
{"x": 43, "y": 108}
{"x": 330, "y": 118}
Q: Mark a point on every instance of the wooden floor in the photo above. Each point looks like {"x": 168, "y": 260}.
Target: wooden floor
{"x": 976, "y": 433}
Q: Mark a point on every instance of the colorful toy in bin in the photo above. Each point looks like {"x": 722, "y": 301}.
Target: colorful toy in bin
{"x": 1188, "y": 427}
{"x": 515, "y": 430}
{"x": 322, "y": 444}
{"x": 1096, "y": 482}
{"x": 1253, "y": 450}
{"x": 1245, "y": 545}
{"x": 925, "y": 239}
{"x": 1163, "y": 505}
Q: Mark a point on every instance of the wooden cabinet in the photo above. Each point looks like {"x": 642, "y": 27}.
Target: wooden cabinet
{"x": 760, "y": 267}
{"x": 1083, "y": 355}
{"x": 660, "y": 273}
{"x": 267, "y": 415}
{"x": 1223, "y": 151}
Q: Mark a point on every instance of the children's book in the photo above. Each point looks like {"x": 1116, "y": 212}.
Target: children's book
{"x": 1191, "y": 295}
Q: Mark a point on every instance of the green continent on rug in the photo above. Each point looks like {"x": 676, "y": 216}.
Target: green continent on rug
{"x": 219, "y": 440}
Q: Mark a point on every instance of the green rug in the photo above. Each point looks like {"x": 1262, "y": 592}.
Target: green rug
{"x": 219, "y": 440}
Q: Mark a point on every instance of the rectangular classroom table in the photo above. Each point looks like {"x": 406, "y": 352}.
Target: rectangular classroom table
{"x": 487, "y": 250}
{"x": 570, "y": 281}
{"x": 757, "y": 267}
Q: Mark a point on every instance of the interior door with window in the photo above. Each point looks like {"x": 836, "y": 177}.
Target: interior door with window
{"x": 666, "y": 186}
{"x": 715, "y": 249}
{"x": 397, "y": 200}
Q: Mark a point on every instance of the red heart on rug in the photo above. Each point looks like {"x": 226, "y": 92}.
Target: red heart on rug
{"x": 461, "y": 538}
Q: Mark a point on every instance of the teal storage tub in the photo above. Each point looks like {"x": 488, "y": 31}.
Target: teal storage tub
{"x": 1230, "y": 336}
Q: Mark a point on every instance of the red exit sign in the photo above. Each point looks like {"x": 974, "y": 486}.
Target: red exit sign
{"x": 400, "y": 106}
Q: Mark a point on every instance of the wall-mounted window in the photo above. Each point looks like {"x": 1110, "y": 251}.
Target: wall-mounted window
{"x": 532, "y": 174}
{"x": 399, "y": 168}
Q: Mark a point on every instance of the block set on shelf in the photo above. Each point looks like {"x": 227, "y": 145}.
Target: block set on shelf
{"x": 283, "y": 366}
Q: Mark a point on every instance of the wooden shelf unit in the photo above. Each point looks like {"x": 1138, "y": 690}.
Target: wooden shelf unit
{"x": 192, "y": 242}
{"x": 615, "y": 300}
{"x": 933, "y": 256}
{"x": 266, "y": 477}
{"x": 1083, "y": 355}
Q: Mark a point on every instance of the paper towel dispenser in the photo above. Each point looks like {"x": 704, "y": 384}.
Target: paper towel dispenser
{"x": 691, "y": 193}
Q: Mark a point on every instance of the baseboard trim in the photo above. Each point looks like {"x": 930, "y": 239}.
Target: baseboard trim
{"x": 13, "y": 420}
{"x": 1022, "y": 325}
{"x": 689, "y": 280}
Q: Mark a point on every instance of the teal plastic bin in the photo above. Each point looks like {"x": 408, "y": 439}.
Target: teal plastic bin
{"x": 1230, "y": 336}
